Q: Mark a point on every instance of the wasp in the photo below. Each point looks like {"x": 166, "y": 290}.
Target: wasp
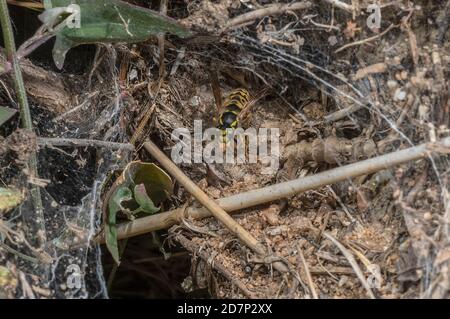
{"x": 236, "y": 103}
{"x": 235, "y": 108}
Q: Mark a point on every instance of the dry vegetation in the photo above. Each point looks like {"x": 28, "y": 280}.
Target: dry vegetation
{"x": 339, "y": 93}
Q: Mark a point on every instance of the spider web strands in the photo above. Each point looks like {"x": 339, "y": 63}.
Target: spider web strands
{"x": 269, "y": 82}
{"x": 294, "y": 58}
{"x": 327, "y": 84}
{"x": 279, "y": 55}
{"x": 236, "y": 64}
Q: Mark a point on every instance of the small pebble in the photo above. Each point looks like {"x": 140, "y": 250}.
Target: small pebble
{"x": 342, "y": 281}
{"x": 392, "y": 84}
{"x": 399, "y": 95}
{"x": 194, "y": 101}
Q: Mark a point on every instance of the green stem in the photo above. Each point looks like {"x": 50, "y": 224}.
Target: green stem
{"x": 10, "y": 49}
{"x": 25, "y": 114}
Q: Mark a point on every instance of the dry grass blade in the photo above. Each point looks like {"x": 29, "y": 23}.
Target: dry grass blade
{"x": 347, "y": 254}
{"x": 307, "y": 273}
{"x": 161, "y": 42}
{"x": 74, "y": 142}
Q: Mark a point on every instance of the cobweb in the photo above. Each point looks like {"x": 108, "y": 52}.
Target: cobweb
{"x": 73, "y": 199}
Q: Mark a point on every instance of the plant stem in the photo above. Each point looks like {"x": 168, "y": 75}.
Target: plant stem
{"x": 25, "y": 114}
{"x": 10, "y": 49}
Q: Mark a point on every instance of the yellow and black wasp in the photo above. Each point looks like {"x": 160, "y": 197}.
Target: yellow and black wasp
{"x": 235, "y": 104}
{"x": 235, "y": 108}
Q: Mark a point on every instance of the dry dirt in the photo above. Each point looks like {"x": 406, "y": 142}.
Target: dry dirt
{"x": 394, "y": 223}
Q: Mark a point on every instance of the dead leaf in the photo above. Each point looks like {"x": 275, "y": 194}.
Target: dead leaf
{"x": 270, "y": 215}
{"x": 351, "y": 29}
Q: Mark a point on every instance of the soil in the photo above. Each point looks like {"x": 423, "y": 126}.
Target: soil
{"x": 313, "y": 63}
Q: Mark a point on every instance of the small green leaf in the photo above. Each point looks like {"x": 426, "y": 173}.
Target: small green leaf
{"x": 6, "y": 114}
{"x": 140, "y": 188}
{"x": 9, "y": 199}
{"x": 145, "y": 203}
{"x": 157, "y": 183}
{"x": 106, "y": 21}
{"x": 115, "y": 205}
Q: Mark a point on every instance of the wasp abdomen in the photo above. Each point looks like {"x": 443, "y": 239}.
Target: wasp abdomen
{"x": 234, "y": 103}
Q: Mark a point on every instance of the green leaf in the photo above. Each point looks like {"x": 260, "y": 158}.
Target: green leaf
{"x": 9, "y": 198}
{"x": 140, "y": 188}
{"x": 145, "y": 203}
{"x": 6, "y": 114}
{"x": 107, "y": 21}
{"x": 115, "y": 205}
{"x": 157, "y": 183}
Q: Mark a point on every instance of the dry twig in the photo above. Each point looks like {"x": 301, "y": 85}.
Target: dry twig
{"x": 219, "y": 267}
{"x": 340, "y": 114}
{"x": 365, "y": 40}
{"x": 73, "y": 142}
{"x": 341, "y": 5}
{"x": 278, "y": 8}
{"x": 307, "y": 273}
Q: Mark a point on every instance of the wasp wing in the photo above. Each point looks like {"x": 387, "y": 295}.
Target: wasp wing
{"x": 215, "y": 86}
{"x": 243, "y": 114}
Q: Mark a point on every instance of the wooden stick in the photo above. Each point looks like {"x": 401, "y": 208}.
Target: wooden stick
{"x": 341, "y": 5}
{"x": 210, "y": 204}
{"x": 274, "y": 9}
{"x": 74, "y": 142}
{"x": 282, "y": 190}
